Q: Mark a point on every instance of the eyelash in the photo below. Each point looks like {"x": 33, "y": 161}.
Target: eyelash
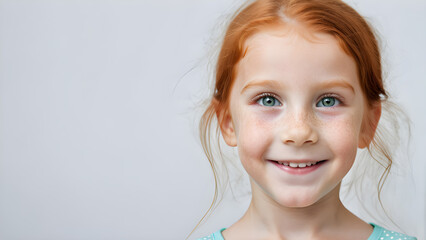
{"x": 331, "y": 95}
{"x": 262, "y": 95}
{"x": 267, "y": 94}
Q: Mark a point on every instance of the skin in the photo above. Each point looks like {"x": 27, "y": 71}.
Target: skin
{"x": 300, "y": 70}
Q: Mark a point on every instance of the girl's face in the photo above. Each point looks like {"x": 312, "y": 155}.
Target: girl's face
{"x": 295, "y": 102}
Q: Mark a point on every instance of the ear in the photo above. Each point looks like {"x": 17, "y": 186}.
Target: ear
{"x": 227, "y": 127}
{"x": 370, "y": 122}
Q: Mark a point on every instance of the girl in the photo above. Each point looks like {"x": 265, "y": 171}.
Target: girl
{"x": 298, "y": 90}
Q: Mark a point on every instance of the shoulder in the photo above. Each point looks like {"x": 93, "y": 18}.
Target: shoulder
{"x": 214, "y": 236}
{"x": 380, "y": 233}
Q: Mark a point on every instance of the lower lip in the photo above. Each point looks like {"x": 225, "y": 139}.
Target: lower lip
{"x": 297, "y": 170}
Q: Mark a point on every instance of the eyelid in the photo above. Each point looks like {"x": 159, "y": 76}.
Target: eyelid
{"x": 269, "y": 94}
{"x": 338, "y": 97}
{"x": 266, "y": 94}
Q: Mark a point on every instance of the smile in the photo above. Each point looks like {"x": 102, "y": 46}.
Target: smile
{"x": 298, "y": 168}
{"x": 298, "y": 165}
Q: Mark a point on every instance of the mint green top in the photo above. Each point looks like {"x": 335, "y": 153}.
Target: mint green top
{"x": 379, "y": 233}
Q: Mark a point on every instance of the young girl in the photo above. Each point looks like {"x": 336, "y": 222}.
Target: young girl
{"x": 298, "y": 90}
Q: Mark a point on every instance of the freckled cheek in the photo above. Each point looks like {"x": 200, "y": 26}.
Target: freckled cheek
{"x": 253, "y": 136}
{"x": 343, "y": 139}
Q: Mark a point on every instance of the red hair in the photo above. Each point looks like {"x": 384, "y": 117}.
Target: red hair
{"x": 333, "y": 17}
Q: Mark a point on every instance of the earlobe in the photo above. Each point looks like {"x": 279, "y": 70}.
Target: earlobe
{"x": 227, "y": 128}
{"x": 370, "y": 124}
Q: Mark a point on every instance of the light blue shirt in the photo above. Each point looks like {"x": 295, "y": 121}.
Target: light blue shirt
{"x": 379, "y": 233}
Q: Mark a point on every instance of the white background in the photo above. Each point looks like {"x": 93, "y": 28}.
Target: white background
{"x": 98, "y": 115}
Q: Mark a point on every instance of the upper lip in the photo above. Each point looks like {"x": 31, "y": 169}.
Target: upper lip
{"x": 297, "y": 161}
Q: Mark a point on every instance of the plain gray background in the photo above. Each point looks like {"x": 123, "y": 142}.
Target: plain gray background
{"x": 98, "y": 117}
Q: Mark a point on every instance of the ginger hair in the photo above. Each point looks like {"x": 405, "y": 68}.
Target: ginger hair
{"x": 354, "y": 35}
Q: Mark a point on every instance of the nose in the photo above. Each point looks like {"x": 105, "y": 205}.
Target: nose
{"x": 298, "y": 131}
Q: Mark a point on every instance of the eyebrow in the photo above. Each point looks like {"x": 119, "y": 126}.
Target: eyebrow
{"x": 276, "y": 84}
{"x": 337, "y": 83}
{"x": 262, "y": 83}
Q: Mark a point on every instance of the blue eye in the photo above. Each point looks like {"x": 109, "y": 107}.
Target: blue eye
{"x": 328, "y": 102}
{"x": 268, "y": 101}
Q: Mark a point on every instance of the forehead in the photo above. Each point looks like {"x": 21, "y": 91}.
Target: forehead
{"x": 291, "y": 35}
{"x": 294, "y": 53}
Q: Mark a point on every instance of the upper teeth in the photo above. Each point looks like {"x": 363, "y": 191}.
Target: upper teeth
{"x": 300, "y": 165}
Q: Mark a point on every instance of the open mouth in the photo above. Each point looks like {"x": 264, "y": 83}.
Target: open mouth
{"x": 299, "y": 164}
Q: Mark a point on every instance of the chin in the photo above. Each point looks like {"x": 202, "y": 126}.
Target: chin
{"x": 297, "y": 200}
{"x": 297, "y": 204}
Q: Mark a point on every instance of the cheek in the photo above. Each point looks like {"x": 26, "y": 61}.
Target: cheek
{"x": 253, "y": 137}
{"x": 343, "y": 139}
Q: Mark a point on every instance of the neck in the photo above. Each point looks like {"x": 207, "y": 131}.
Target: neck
{"x": 268, "y": 218}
